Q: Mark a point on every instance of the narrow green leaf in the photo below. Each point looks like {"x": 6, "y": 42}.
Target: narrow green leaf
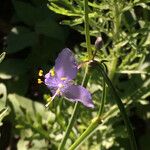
{"x": 2, "y": 56}
{"x": 62, "y": 11}
{"x": 3, "y": 95}
{"x": 3, "y": 113}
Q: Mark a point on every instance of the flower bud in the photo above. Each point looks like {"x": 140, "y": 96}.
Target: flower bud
{"x": 98, "y": 43}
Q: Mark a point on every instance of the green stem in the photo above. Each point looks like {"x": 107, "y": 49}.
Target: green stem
{"x": 69, "y": 127}
{"x": 97, "y": 121}
{"x": 74, "y": 115}
{"x": 91, "y": 128}
{"x": 113, "y": 68}
{"x": 87, "y": 34}
{"x": 103, "y": 99}
{"x": 121, "y": 108}
{"x": 94, "y": 124}
{"x": 104, "y": 92}
{"x": 88, "y": 45}
{"x": 117, "y": 22}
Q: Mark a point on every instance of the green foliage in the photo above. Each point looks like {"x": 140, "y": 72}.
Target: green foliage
{"x": 3, "y": 96}
{"x": 30, "y": 122}
{"x": 34, "y": 41}
{"x": 3, "y": 113}
{"x": 2, "y": 56}
{"x": 124, "y": 27}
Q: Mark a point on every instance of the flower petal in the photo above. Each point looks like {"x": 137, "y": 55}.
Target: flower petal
{"x": 79, "y": 93}
{"x": 51, "y": 83}
{"x": 65, "y": 65}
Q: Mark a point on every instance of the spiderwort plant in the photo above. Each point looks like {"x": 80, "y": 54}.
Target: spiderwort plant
{"x": 60, "y": 80}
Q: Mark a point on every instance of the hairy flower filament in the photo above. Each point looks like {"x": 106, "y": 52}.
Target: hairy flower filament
{"x": 52, "y": 98}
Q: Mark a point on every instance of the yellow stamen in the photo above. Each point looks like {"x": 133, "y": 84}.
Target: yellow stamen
{"x": 52, "y": 72}
{"x": 40, "y": 81}
{"x": 63, "y": 78}
{"x": 50, "y": 99}
{"x": 40, "y": 73}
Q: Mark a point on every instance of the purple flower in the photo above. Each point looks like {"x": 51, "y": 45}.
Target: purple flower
{"x": 59, "y": 80}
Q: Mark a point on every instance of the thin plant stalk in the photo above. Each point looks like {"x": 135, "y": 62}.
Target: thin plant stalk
{"x": 121, "y": 108}
{"x": 88, "y": 45}
{"x": 94, "y": 124}
{"x": 69, "y": 127}
{"x": 87, "y": 33}
{"x": 91, "y": 128}
{"x": 74, "y": 114}
{"x": 97, "y": 121}
{"x": 104, "y": 92}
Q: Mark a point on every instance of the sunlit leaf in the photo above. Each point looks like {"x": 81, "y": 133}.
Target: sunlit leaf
{"x": 63, "y": 11}
{"x": 33, "y": 108}
{"x": 3, "y": 95}
{"x": 2, "y": 56}
{"x": 3, "y": 112}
